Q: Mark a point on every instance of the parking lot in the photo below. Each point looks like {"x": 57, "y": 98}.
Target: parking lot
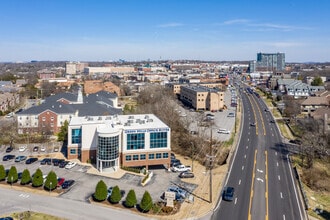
{"x": 85, "y": 182}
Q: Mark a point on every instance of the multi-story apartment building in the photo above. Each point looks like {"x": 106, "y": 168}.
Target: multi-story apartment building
{"x": 271, "y": 61}
{"x": 119, "y": 140}
{"x": 73, "y": 68}
{"x": 49, "y": 116}
{"x": 202, "y": 98}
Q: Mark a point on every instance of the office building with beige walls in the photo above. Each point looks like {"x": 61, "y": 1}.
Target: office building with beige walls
{"x": 202, "y": 98}
{"x": 119, "y": 140}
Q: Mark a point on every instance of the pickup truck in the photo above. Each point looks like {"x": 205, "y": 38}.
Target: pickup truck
{"x": 181, "y": 168}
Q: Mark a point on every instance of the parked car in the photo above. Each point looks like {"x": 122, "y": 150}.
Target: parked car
{"x": 19, "y": 175}
{"x": 9, "y": 149}
{"x": 8, "y": 157}
{"x": 295, "y": 141}
{"x": 42, "y": 149}
{"x": 56, "y": 149}
{"x": 22, "y": 148}
{"x": 57, "y": 162}
{"x": 182, "y": 193}
{"x": 253, "y": 124}
{"x": 67, "y": 184}
{"x": 175, "y": 162}
{"x": 223, "y": 131}
{"x": 122, "y": 192}
{"x": 45, "y": 161}
{"x": 231, "y": 114}
{"x": 181, "y": 168}
{"x": 228, "y": 193}
{"x": 186, "y": 175}
{"x": 36, "y": 149}
{"x": 63, "y": 164}
{"x": 60, "y": 182}
{"x": 20, "y": 158}
{"x": 70, "y": 165}
{"x": 6, "y": 218}
{"x": 31, "y": 160}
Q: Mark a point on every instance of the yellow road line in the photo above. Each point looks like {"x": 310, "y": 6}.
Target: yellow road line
{"x": 252, "y": 183}
{"x": 262, "y": 119}
{"x": 255, "y": 116}
{"x": 266, "y": 193}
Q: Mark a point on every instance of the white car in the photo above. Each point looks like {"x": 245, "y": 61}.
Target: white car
{"x": 70, "y": 165}
{"x": 181, "y": 168}
{"x": 223, "y": 131}
{"x": 43, "y": 149}
{"x": 22, "y": 148}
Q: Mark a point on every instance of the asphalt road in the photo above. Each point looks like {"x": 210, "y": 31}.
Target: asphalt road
{"x": 17, "y": 201}
{"x": 260, "y": 171}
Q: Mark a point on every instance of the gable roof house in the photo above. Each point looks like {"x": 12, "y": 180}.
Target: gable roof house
{"x": 50, "y": 115}
{"x": 312, "y": 103}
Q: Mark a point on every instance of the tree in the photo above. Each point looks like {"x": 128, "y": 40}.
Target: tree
{"x": 146, "y": 202}
{"x": 130, "y": 199}
{"x": 12, "y": 175}
{"x": 115, "y": 195}
{"x": 2, "y": 173}
{"x": 63, "y": 134}
{"x": 317, "y": 81}
{"x": 101, "y": 191}
{"x": 26, "y": 177}
{"x": 51, "y": 181}
{"x": 37, "y": 179}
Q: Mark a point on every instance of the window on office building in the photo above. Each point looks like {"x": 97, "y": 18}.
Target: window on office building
{"x": 76, "y": 136}
{"x": 128, "y": 157}
{"x": 73, "y": 151}
{"x": 135, "y": 141}
{"x": 151, "y": 156}
{"x": 135, "y": 157}
{"x": 158, "y": 155}
{"x": 158, "y": 140}
{"x": 142, "y": 157}
{"x": 165, "y": 155}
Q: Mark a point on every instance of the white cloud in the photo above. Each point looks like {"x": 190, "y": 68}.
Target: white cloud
{"x": 236, "y": 21}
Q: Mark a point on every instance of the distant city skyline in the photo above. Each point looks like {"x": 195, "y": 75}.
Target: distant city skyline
{"x": 135, "y": 30}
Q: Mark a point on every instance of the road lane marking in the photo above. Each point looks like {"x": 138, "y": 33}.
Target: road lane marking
{"x": 235, "y": 200}
{"x": 239, "y": 182}
{"x": 252, "y": 183}
{"x": 283, "y": 217}
{"x": 266, "y": 178}
{"x": 275, "y": 153}
{"x": 242, "y": 167}
{"x": 260, "y": 171}
{"x": 277, "y": 163}
{"x": 259, "y": 179}
{"x": 279, "y": 177}
{"x": 281, "y": 195}
{"x": 247, "y": 147}
{"x": 245, "y": 156}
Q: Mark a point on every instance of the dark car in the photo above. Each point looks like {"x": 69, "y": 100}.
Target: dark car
{"x": 253, "y": 124}
{"x": 8, "y": 157}
{"x": 20, "y": 158}
{"x": 9, "y": 149}
{"x": 36, "y": 149}
{"x": 57, "y": 162}
{"x": 175, "y": 162}
{"x": 45, "y": 161}
{"x": 186, "y": 175}
{"x": 19, "y": 175}
{"x": 7, "y": 218}
{"x": 272, "y": 121}
{"x": 63, "y": 164}
{"x": 295, "y": 141}
{"x": 228, "y": 193}
{"x": 31, "y": 160}
{"x": 122, "y": 192}
{"x": 67, "y": 184}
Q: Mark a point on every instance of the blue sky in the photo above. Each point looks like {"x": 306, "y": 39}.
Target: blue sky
{"x": 218, "y": 30}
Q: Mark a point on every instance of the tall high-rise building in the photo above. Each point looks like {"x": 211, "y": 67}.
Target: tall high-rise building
{"x": 271, "y": 61}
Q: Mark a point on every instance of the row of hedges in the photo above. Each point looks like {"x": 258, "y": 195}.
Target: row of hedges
{"x": 36, "y": 179}
{"x": 101, "y": 192}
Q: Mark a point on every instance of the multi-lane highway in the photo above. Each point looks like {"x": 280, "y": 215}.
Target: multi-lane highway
{"x": 260, "y": 170}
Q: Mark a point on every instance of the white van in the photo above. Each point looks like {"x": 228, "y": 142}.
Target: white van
{"x": 223, "y": 131}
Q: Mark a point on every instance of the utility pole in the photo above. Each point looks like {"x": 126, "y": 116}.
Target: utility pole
{"x": 210, "y": 158}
